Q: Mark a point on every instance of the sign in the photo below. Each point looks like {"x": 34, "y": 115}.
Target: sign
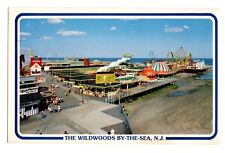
{"x": 28, "y": 91}
{"x": 27, "y": 113}
{"x": 105, "y": 78}
{"x": 35, "y": 66}
{"x": 35, "y": 69}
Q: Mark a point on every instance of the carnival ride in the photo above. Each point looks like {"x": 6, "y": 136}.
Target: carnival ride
{"x": 126, "y": 57}
{"x": 160, "y": 68}
{"x": 148, "y": 73}
{"x": 178, "y": 59}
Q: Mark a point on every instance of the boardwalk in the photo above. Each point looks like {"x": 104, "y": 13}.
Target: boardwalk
{"x": 140, "y": 89}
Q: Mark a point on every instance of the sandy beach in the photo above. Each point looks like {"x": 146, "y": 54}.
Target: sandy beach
{"x": 183, "y": 108}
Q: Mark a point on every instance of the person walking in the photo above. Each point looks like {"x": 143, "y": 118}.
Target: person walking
{"x": 43, "y": 115}
{"x": 50, "y": 109}
{"x": 112, "y": 131}
{"x": 82, "y": 101}
{"x": 59, "y": 107}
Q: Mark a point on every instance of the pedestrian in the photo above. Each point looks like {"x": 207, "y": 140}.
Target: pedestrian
{"x": 56, "y": 99}
{"x": 126, "y": 121}
{"x": 59, "y": 107}
{"x": 82, "y": 100}
{"x": 65, "y": 132}
{"x": 122, "y": 109}
{"x": 61, "y": 99}
{"x": 50, "y": 109}
{"x": 55, "y": 108}
{"x": 112, "y": 131}
{"x": 46, "y": 102}
{"x": 43, "y": 115}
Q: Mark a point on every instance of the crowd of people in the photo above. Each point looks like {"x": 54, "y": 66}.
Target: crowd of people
{"x": 55, "y": 105}
{"x": 53, "y": 102}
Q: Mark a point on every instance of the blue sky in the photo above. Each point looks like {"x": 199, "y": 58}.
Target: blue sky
{"x": 113, "y": 37}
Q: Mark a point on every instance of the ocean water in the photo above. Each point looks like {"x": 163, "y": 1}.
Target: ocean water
{"x": 205, "y": 76}
{"x": 53, "y": 58}
{"x": 208, "y": 61}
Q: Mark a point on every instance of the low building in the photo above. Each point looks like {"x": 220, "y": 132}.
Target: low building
{"x": 30, "y": 97}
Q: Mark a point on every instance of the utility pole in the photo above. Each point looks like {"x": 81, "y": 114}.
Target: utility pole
{"x": 119, "y": 96}
{"x": 70, "y": 73}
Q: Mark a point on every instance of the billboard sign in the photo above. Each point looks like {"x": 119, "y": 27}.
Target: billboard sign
{"x": 105, "y": 78}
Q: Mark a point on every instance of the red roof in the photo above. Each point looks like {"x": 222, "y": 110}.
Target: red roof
{"x": 34, "y": 60}
{"x": 148, "y": 71}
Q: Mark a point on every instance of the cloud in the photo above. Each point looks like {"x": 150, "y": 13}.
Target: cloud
{"x": 173, "y": 29}
{"x": 70, "y": 33}
{"x": 167, "y": 28}
{"x": 113, "y": 28}
{"x": 46, "y": 38}
{"x": 186, "y": 27}
{"x": 25, "y": 34}
{"x": 55, "y": 21}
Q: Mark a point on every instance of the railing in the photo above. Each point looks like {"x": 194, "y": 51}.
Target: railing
{"x": 137, "y": 90}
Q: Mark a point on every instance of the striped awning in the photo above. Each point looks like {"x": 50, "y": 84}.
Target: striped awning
{"x": 160, "y": 67}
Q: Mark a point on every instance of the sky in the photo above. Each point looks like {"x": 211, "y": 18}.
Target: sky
{"x": 108, "y": 38}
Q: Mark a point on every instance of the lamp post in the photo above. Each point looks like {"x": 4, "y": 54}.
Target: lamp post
{"x": 111, "y": 95}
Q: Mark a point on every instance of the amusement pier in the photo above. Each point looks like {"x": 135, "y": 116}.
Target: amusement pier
{"x": 77, "y": 95}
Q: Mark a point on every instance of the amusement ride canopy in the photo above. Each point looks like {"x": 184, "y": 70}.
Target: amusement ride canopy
{"x": 160, "y": 68}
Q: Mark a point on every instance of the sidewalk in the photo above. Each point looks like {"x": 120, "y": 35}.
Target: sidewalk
{"x": 75, "y": 118}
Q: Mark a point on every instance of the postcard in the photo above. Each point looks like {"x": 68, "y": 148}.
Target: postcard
{"x": 112, "y": 76}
